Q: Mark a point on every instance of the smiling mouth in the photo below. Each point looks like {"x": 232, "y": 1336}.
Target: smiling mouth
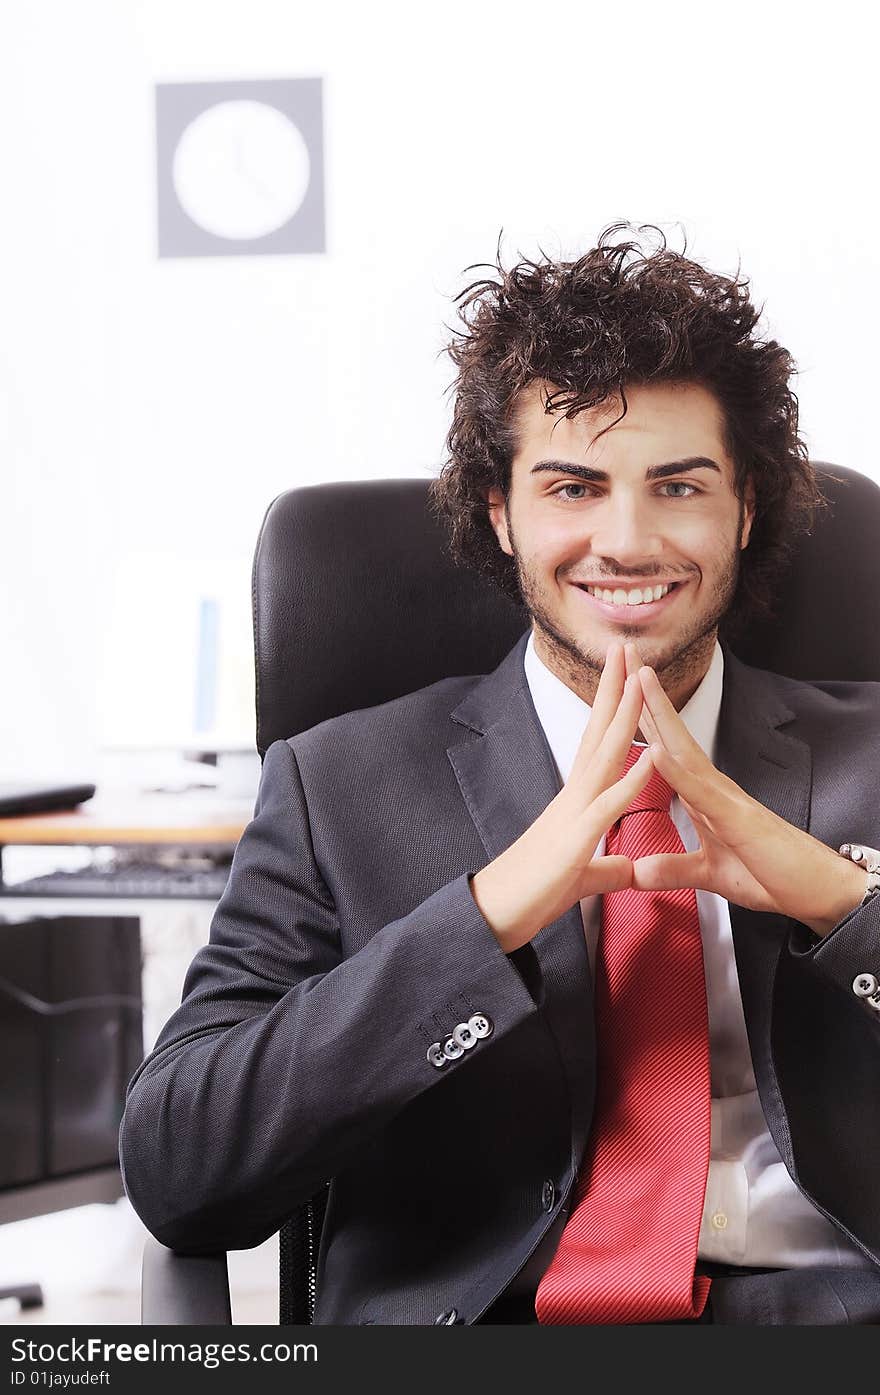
{"x": 632, "y": 603}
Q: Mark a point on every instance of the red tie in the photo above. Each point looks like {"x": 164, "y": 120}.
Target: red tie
{"x": 629, "y": 1248}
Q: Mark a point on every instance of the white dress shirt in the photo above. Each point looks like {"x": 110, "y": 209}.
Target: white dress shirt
{"x": 753, "y": 1212}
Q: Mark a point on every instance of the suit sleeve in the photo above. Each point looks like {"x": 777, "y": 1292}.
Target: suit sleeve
{"x": 284, "y": 1059}
{"x": 849, "y": 952}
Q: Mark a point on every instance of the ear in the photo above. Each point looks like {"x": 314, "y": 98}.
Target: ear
{"x": 748, "y": 512}
{"x": 498, "y": 519}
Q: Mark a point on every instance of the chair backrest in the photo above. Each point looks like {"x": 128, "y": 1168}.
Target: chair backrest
{"x": 356, "y": 601}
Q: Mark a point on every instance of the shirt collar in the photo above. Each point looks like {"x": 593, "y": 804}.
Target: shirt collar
{"x": 564, "y": 716}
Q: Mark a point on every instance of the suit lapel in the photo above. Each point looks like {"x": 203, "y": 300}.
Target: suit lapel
{"x": 507, "y": 778}
{"x": 775, "y": 768}
{"x": 769, "y": 764}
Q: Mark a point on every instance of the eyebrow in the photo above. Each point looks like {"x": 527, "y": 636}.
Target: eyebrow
{"x": 654, "y": 472}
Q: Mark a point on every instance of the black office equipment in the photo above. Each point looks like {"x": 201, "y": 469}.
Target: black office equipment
{"x": 24, "y": 798}
{"x": 70, "y": 1037}
{"x": 146, "y": 874}
{"x": 70, "y": 997}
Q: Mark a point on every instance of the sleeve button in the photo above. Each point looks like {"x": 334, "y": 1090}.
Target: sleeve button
{"x": 452, "y": 1050}
{"x": 548, "y": 1195}
{"x": 465, "y": 1035}
{"x": 481, "y": 1025}
{"x": 435, "y": 1055}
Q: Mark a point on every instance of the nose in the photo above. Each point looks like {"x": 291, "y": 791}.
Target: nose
{"x": 625, "y": 529}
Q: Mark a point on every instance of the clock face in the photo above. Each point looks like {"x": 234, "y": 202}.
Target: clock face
{"x": 241, "y": 169}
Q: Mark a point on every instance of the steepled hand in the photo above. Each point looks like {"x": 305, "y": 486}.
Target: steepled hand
{"x": 747, "y": 854}
{"x": 554, "y": 864}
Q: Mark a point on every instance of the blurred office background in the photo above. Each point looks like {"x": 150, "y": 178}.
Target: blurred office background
{"x": 230, "y": 240}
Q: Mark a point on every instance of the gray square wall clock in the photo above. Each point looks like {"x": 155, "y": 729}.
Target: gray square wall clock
{"x": 240, "y": 167}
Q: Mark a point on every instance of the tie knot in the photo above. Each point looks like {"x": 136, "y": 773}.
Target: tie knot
{"x": 657, "y": 794}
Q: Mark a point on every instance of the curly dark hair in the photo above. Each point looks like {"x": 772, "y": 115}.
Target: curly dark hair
{"x": 591, "y": 327}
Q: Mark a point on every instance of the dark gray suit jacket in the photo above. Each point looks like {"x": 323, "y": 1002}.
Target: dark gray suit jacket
{"x": 347, "y": 942}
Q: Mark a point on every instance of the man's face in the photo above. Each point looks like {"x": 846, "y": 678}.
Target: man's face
{"x": 651, "y": 503}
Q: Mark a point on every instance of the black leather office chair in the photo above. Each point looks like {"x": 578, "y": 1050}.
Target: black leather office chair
{"x": 355, "y": 602}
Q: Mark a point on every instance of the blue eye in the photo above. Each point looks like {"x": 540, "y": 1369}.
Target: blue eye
{"x": 560, "y": 492}
{"x": 680, "y": 484}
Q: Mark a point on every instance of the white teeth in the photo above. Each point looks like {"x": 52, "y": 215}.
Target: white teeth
{"x": 640, "y": 596}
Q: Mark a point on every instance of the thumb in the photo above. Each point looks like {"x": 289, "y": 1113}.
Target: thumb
{"x": 607, "y": 874}
{"x": 667, "y": 871}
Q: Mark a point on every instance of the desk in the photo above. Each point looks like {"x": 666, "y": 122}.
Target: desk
{"x": 190, "y": 820}
{"x": 117, "y": 819}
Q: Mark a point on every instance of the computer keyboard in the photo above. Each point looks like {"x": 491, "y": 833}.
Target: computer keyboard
{"x": 181, "y": 877}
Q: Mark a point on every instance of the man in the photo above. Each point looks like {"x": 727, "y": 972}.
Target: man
{"x": 555, "y": 1070}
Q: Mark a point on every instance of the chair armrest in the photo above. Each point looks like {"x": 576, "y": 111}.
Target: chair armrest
{"x": 183, "y": 1290}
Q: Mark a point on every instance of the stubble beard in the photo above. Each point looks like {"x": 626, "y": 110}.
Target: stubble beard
{"x": 680, "y": 671}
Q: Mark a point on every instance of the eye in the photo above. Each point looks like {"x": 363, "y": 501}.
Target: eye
{"x": 560, "y": 493}
{"x": 680, "y": 484}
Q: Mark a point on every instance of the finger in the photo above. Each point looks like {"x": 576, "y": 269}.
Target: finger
{"x": 608, "y": 697}
{"x": 668, "y": 871}
{"x": 719, "y": 809}
{"x": 608, "y": 760}
{"x": 670, "y": 728}
{"x": 610, "y": 803}
{"x": 601, "y": 736}
{"x": 610, "y": 689}
{"x": 607, "y": 874}
{"x": 695, "y": 817}
{"x": 700, "y": 794}
{"x": 647, "y": 724}
{"x": 632, "y": 656}
{"x": 607, "y": 701}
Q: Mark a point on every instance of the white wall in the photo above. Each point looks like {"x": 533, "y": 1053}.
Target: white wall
{"x": 149, "y": 410}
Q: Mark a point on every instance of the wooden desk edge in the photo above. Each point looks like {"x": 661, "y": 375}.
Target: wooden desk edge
{"x": 91, "y": 830}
